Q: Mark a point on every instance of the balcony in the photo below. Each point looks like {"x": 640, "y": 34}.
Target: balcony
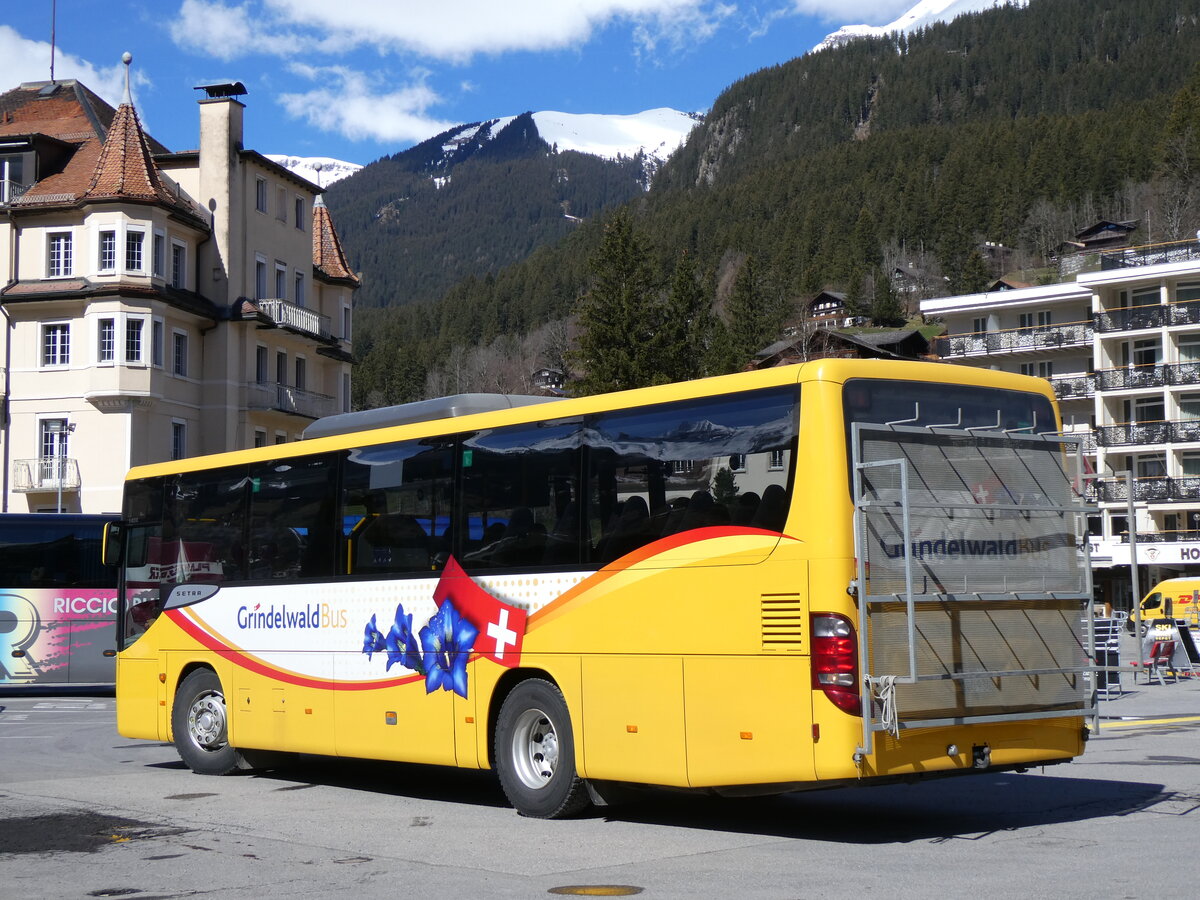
{"x": 1131, "y": 378}
{"x": 1149, "y": 255}
{"x": 1074, "y": 387}
{"x": 288, "y": 315}
{"x": 1180, "y": 431}
{"x": 10, "y": 191}
{"x": 1158, "y": 489}
{"x": 1038, "y": 337}
{"x": 1136, "y": 318}
{"x": 46, "y": 473}
{"x": 282, "y": 398}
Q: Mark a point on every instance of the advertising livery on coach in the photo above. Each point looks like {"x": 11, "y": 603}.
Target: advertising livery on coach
{"x": 840, "y": 572}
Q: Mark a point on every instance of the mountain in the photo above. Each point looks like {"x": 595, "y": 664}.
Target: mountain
{"x": 320, "y": 170}
{"x": 924, "y": 14}
{"x": 483, "y": 195}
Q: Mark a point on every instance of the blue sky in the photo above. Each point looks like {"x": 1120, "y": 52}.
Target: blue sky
{"x": 358, "y": 79}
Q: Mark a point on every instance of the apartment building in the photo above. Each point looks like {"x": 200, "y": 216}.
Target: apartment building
{"x": 1121, "y": 346}
{"x": 156, "y": 305}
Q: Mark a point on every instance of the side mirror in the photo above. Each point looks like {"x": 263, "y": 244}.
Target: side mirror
{"x": 112, "y": 543}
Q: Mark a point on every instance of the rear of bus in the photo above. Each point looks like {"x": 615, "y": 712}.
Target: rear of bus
{"x": 956, "y": 643}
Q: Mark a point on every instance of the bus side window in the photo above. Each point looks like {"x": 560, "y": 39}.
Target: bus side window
{"x": 292, "y": 518}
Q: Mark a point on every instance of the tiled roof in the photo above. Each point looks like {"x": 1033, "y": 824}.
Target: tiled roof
{"x": 328, "y": 257}
{"x": 124, "y": 170}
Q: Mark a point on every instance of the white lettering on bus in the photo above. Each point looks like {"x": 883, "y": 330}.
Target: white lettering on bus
{"x": 86, "y": 605}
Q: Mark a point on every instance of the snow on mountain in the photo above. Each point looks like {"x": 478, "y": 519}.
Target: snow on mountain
{"x": 924, "y": 14}
{"x": 320, "y": 170}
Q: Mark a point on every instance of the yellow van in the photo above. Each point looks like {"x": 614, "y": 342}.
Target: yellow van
{"x": 1175, "y": 598}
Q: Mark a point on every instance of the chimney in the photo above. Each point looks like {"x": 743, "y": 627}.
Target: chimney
{"x": 220, "y": 146}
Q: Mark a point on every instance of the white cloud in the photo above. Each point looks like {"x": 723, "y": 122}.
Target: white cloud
{"x": 358, "y": 107}
{"x": 867, "y": 12}
{"x": 452, "y": 31}
{"x": 23, "y": 60}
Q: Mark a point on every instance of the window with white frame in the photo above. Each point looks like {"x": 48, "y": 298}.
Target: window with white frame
{"x": 260, "y": 278}
{"x": 133, "y": 340}
{"x": 1189, "y": 291}
{"x": 1045, "y": 318}
{"x": 260, "y": 437}
{"x": 156, "y": 342}
{"x": 1146, "y": 297}
{"x": 54, "y": 440}
{"x": 979, "y": 325}
{"x": 106, "y": 340}
{"x": 280, "y": 280}
{"x": 178, "y": 439}
{"x": 58, "y": 254}
{"x": 298, "y": 294}
{"x": 1025, "y": 320}
{"x": 346, "y": 320}
{"x": 134, "y": 241}
{"x": 179, "y": 363}
{"x": 160, "y": 254}
{"x": 1189, "y": 347}
{"x": 1190, "y": 462}
{"x": 1145, "y": 410}
{"x": 1189, "y": 407}
{"x": 775, "y": 461}
{"x": 281, "y": 437}
{"x": 260, "y": 194}
{"x": 1028, "y": 369}
{"x": 178, "y": 265}
{"x": 56, "y": 344}
{"x": 108, "y": 251}
{"x": 1045, "y": 370}
{"x": 1152, "y": 466}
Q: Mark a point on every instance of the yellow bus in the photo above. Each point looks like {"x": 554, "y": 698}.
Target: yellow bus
{"x": 847, "y": 571}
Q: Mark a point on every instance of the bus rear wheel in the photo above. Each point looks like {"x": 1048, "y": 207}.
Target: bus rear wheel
{"x": 535, "y": 753}
{"x": 200, "y": 725}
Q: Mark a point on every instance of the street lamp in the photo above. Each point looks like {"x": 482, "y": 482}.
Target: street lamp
{"x": 61, "y": 428}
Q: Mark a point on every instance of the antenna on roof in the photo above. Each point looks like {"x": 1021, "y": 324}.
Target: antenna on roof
{"x": 317, "y": 167}
{"x": 127, "y": 58}
{"x": 53, "y": 19}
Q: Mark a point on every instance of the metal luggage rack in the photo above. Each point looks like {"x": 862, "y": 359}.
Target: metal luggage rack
{"x": 1054, "y": 594}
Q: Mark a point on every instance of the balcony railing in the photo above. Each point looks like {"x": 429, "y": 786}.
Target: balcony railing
{"x": 1038, "y": 337}
{"x": 1150, "y": 255}
{"x": 1074, "y": 387}
{"x": 292, "y": 400}
{"x": 1179, "y": 431}
{"x": 1155, "y": 489}
{"x": 1134, "y": 318}
{"x": 10, "y": 191}
{"x": 46, "y": 473}
{"x": 1131, "y": 377}
{"x": 286, "y": 314}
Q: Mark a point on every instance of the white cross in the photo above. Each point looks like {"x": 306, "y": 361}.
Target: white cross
{"x": 501, "y": 633}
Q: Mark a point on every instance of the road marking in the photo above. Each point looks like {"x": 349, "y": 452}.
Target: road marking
{"x": 1130, "y": 723}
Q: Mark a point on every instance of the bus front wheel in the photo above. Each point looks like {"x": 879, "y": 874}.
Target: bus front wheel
{"x": 535, "y": 753}
{"x": 200, "y": 727}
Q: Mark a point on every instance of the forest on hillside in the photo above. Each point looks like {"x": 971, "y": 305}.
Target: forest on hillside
{"x": 1017, "y": 126}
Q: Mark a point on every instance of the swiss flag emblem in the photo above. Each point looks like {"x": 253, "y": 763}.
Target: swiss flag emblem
{"x": 501, "y": 627}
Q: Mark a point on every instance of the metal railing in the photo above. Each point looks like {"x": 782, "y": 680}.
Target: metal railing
{"x": 1134, "y": 318}
{"x": 46, "y": 473}
{"x": 1074, "y": 387}
{"x": 11, "y": 190}
{"x": 286, "y": 314}
{"x": 292, "y": 400}
{"x": 1149, "y": 255}
{"x": 1037, "y": 337}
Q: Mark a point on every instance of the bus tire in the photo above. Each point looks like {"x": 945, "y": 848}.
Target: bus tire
{"x": 199, "y": 725}
{"x": 535, "y": 753}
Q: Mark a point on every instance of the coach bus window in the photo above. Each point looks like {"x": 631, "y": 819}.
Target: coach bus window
{"x": 661, "y": 470}
{"x": 520, "y": 496}
{"x": 395, "y": 510}
{"x": 292, "y": 509}
{"x": 203, "y": 529}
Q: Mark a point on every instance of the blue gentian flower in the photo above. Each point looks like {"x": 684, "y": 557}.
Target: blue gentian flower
{"x": 447, "y": 642}
{"x": 372, "y": 638}
{"x": 400, "y": 644}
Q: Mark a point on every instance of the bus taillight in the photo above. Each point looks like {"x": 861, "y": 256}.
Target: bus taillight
{"x": 835, "y": 661}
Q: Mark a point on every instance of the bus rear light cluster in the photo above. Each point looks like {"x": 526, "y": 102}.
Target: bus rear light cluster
{"x": 835, "y": 661}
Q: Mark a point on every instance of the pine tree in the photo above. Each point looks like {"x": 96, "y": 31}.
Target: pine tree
{"x": 687, "y": 324}
{"x": 619, "y": 341}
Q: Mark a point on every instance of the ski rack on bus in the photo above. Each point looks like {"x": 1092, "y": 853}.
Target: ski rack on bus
{"x": 914, "y": 590}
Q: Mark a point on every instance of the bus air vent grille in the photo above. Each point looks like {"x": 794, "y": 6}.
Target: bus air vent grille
{"x": 782, "y": 622}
